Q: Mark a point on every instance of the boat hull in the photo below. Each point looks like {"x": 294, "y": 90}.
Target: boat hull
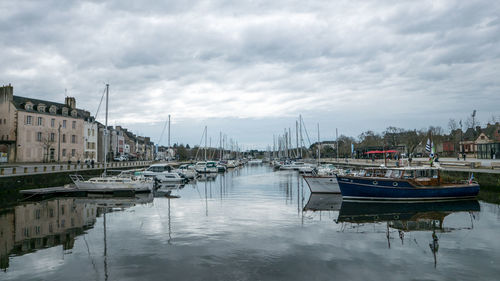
{"x": 400, "y": 190}
{"x": 322, "y": 184}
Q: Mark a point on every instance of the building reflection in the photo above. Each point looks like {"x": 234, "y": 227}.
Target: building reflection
{"x": 38, "y": 225}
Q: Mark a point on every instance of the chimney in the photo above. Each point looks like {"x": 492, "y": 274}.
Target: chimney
{"x": 70, "y": 102}
{"x": 6, "y": 93}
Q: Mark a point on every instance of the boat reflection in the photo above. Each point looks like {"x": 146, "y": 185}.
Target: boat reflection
{"x": 408, "y": 217}
{"x": 323, "y": 202}
{"x": 32, "y": 226}
{"x": 166, "y": 189}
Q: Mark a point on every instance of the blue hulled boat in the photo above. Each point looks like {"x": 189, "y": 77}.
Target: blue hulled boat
{"x": 403, "y": 184}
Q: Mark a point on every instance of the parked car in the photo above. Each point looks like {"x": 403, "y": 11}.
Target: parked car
{"x": 121, "y": 158}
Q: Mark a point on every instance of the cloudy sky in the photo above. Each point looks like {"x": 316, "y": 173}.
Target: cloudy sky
{"x": 249, "y": 68}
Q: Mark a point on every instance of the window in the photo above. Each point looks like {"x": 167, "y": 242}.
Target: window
{"x": 64, "y": 124}
{"x": 73, "y": 113}
{"x": 39, "y": 136}
{"x": 64, "y": 138}
{"x": 29, "y": 120}
{"x": 73, "y": 152}
{"x": 52, "y": 137}
{"x": 39, "y": 121}
{"x": 88, "y": 132}
{"x": 64, "y": 152}
{"x": 52, "y": 122}
{"x": 94, "y": 131}
{"x": 65, "y": 111}
{"x": 53, "y": 109}
{"x": 73, "y": 125}
{"x": 73, "y": 138}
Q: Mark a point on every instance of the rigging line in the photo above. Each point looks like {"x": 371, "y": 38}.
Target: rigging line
{"x": 100, "y": 103}
{"x": 201, "y": 140}
{"x": 305, "y": 129}
{"x": 162, "y": 132}
{"x": 90, "y": 255}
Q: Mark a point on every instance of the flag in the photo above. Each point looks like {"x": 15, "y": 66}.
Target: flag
{"x": 428, "y": 145}
{"x": 471, "y": 178}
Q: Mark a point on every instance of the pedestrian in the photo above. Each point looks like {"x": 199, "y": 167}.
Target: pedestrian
{"x": 458, "y": 156}
{"x": 465, "y": 156}
{"x": 92, "y": 163}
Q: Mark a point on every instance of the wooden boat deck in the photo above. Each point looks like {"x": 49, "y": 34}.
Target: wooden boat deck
{"x": 74, "y": 191}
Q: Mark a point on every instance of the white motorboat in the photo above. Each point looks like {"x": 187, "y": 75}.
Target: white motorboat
{"x": 255, "y": 162}
{"x": 322, "y": 184}
{"x": 206, "y": 167}
{"x": 307, "y": 169}
{"x": 186, "y": 171}
{"x": 171, "y": 177}
{"x": 157, "y": 171}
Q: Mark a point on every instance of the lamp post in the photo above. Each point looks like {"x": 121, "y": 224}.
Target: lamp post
{"x": 59, "y": 143}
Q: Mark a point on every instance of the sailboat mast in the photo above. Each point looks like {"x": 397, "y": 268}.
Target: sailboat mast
{"x": 319, "y": 148}
{"x": 205, "y": 143}
{"x": 169, "y": 131}
{"x": 106, "y": 131}
{"x": 297, "y": 138}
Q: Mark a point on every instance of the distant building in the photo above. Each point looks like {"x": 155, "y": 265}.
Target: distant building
{"x": 488, "y": 142}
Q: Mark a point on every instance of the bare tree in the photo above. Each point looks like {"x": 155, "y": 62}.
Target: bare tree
{"x": 452, "y": 125}
{"x": 47, "y": 142}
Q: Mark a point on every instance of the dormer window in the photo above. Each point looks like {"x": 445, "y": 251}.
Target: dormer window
{"x": 53, "y": 109}
{"x": 28, "y": 106}
{"x": 73, "y": 113}
{"x": 64, "y": 111}
{"x": 41, "y": 107}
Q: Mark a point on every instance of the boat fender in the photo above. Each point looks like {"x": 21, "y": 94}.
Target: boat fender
{"x": 395, "y": 183}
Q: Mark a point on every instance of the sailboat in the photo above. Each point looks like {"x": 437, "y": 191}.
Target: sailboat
{"x": 322, "y": 183}
{"x": 122, "y": 181}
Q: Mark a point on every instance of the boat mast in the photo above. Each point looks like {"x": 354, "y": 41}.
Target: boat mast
{"x": 205, "y": 143}
{"x": 169, "y": 134}
{"x": 319, "y": 148}
{"x": 297, "y": 138}
{"x": 106, "y": 131}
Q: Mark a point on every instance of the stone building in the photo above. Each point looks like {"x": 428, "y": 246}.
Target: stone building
{"x": 90, "y": 135}
{"x": 33, "y": 130}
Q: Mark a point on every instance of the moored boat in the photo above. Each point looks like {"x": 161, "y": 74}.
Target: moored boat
{"x": 400, "y": 184}
{"x": 322, "y": 184}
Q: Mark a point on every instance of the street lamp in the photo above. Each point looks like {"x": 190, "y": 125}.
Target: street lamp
{"x": 59, "y": 143}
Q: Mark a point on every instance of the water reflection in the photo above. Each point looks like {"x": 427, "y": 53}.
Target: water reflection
{"x": 409, "y": 217}
{"x": 32, "y": 226}
{"x": 256, "y": 224}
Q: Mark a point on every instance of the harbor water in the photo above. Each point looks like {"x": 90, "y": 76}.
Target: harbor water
{"x": 251, "y": 223}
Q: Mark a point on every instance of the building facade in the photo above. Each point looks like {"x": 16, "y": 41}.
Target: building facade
{"x": 40, "y": 131}
{"x": 90, "y": 135}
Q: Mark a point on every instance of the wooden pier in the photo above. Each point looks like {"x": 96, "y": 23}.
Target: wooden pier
{"x": 73, "y": 191}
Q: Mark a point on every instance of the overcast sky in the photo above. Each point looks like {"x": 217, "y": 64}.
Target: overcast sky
{"x": 249, "y": 68}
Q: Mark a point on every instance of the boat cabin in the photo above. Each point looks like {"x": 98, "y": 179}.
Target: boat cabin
{"x": 418, "y": 175}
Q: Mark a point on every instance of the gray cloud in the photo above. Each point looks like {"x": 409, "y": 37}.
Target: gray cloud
{"x": 347, "y": 64}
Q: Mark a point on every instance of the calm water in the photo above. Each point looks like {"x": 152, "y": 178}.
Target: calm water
{"x": 249, "y": 224}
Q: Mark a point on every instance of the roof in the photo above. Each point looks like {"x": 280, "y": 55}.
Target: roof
{"x": 20, "y": 102}
{"x": 470, "y": 135}
{"x": 490, "y": 130}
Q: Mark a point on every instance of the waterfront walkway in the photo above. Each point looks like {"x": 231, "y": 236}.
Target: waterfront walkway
{"x": 490, "y": 166}
{"x": 36, "y": 169}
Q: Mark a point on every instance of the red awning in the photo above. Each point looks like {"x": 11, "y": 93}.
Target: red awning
{"x": 381, "y": 152}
